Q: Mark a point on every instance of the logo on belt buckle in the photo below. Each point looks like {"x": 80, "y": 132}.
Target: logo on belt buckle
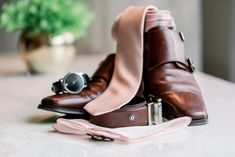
{"x": 154, "y": 111}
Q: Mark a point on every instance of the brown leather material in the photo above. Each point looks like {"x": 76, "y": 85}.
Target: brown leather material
{"x": 168, "y": 75}
{"x": 135, "y": 113}
{"x": 67, "y": 103}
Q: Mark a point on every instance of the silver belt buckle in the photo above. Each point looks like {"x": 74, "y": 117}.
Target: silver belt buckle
{"x": 155, "y": 112}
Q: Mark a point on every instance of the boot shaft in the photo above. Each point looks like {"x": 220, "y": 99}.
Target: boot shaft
{"x": 162, "y": 46}
{"x": 105, "y": 69}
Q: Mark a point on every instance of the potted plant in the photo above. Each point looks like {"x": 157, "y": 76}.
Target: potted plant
{"x": 48, "y": 30}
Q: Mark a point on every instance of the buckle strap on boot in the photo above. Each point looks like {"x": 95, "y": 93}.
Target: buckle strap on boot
{"x": 166, "y": 46}
{"x": 154, "y": 110}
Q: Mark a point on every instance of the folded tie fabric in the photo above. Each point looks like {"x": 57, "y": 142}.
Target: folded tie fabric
{"x": 82, "y": 128}
{"x": 128, "y": 31}
{"x": 158, "y": 18}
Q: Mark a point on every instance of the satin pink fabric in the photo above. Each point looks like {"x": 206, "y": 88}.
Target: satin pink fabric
{"x": 83, "y": 128}
{"x": 128, "y": 30}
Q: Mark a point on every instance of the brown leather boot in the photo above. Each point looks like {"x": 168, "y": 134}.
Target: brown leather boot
{"x": 169, "y": 76}
{"x": 73, "y": 103}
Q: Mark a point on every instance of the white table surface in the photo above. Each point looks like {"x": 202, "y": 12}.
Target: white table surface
{"x": 26, "y": 131}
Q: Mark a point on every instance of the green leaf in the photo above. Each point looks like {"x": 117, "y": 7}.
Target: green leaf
{"x": 52, "y": 17}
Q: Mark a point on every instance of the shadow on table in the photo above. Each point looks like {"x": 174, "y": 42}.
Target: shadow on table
{"x": 43, "y": 119}
{"x": 48, "y": 119}
{"x": 14, "y": 73}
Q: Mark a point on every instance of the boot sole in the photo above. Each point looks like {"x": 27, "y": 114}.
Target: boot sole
{"x": 62, "y": 110}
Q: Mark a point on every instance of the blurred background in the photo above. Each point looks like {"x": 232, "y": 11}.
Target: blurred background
{"x": 207, "y": 26}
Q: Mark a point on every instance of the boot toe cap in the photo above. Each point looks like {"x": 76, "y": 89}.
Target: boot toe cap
{"x": 184, "y": 104}
{"x": 64, "y": 101}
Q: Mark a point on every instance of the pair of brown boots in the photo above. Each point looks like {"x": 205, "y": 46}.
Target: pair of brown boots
{"x": 167, "y": 75}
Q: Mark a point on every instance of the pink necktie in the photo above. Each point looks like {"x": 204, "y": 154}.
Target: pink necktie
{"x": 128, "y": 30}
{"x": 127, "y": 134}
